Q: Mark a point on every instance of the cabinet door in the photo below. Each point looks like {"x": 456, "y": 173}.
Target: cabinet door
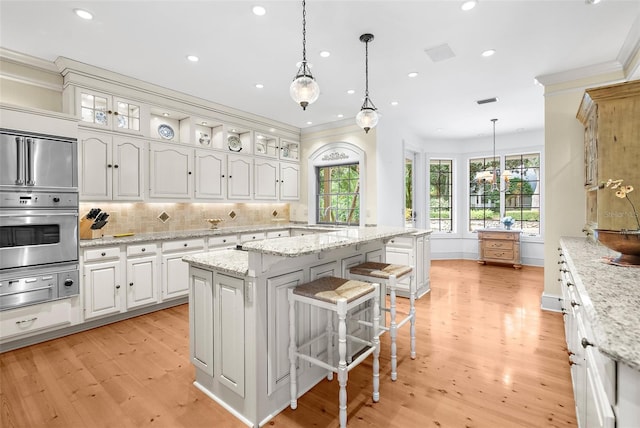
{"x": 266, "y": 179}
{"x": 170, "y": 172}
{"x": 95, "y": 166}
{"x": 289, "y": 182}
{"x": 210, "y": 172}
{"x": 175, "y": 275}
{"x": 128, "y": 170}
{"x": 401, "y": 256}
{"x": 102, "y": 289}
{"x": 229, "y": 343}
{"x": 201, "y": 319}
{"x": 240, "y": 172}
{"x": 94, "y": 108}
{"x": 278, "y": 328}
{"x": 142, "y": 282}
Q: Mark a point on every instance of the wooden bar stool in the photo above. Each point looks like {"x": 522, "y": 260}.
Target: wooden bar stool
{"x": 388, "y": 276}
{"x": 337, "y": 295}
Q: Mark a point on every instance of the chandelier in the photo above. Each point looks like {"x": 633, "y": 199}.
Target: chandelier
{"x": 492, "y": 175}
{"x": 304, "y": 89}
{"x": 367, "y": 117}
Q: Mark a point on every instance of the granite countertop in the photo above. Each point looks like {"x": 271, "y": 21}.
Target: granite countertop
{"x": 295, "y": 246}
{"x": 197, "y": 233}
{"x": 612, "y": 302}
{"x": 235, "y": 262}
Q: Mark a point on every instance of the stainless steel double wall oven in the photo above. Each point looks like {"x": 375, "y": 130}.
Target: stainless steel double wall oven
{"x": 38, "y": 218}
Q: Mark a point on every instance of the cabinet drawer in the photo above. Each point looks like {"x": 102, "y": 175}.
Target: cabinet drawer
{"x": 181, "y": 245}
{"x": 401, "y": 241}
{"x": 257, "y": 236}
{"x": 490, "y": 253}
{"x": 277, "y": 233}
{"x": 141, "y": 250}
{"x": 499, "y": 245}
{"x": 97, "y": 254}
{"x": 33, "y": 318}
{"x": 509, "y": 236}
{"x": 223, "y": 240}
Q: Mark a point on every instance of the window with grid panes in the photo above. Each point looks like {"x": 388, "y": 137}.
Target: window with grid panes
{"x": 338, "y": 191}
{"x": 441, "y": 195}
{"x": 522, "y": 191}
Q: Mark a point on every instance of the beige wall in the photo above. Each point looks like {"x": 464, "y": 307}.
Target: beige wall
{"x": 349, "y": 133}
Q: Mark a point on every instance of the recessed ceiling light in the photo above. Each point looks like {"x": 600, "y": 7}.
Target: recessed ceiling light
{"x": 488, "y": 52}
{"x": 204, "y": 122}
{"x": 394, "y": 103}
{"x": 272, "y": 129}
{"x": 340, "y": 115}
{"x": 351, "y": 91}
{"x": 592, "y": 1}
{"x": 259, "y": 10}
{"x": 193, "y": 58}
{"x": 259, "y": 85}
{"x": 165, "y": 114}
{"x": 83, "y": 13}
{"x": 260, "y": 137}
{"x": 325, "y": 54}
{"x": 412, "y": 74}
{"x": 439, "y": 129}
{"x": 309, "y": 123}
{"x": 468, "y": 5}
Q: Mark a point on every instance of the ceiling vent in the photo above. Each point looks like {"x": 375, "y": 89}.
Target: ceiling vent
{"x": 487, "y": 100}
{"x": 440, "y": 53}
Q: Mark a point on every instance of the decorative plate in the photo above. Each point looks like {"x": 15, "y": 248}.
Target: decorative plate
{"x": 101, "y": 117}
{"x": 165, "y": 131}
{"x": 235, "y": 145}
{"x": 204, "y": 139}
{"x": 260, "y": 148}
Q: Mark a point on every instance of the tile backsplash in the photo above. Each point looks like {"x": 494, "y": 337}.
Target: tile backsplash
{"x": 148, "y": 217}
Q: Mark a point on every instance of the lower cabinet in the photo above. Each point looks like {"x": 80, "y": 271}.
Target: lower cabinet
{"x": 175, "y": 272}
{"x": 413, "y": 250}
{"x": 216, "y": 327}
{"x": 102, "y": 285}
{"x": 142, "y": 275}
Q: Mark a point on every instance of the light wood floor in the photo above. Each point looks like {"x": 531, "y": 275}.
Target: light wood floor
{"x": 487, "y": 357}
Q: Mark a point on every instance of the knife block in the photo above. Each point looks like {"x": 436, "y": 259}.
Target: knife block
{"x": 86, "y": 232}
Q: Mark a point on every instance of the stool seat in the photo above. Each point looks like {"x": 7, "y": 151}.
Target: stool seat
{"x": 380, "y": 270}
{"x": 331, "y": 289}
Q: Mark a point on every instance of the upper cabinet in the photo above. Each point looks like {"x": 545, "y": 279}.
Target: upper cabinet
{"x": 611, "y": 151}
{"x": 289, "y": 150}
{"x": 109, "y": 112}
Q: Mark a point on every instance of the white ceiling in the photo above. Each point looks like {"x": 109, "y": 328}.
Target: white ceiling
{"x": 149, "y": 40}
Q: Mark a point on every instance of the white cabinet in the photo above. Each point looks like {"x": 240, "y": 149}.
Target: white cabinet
{"x": 110, "y": 112}
{"x": 102, "y": 274}
{"x": 276, "y": 180}
{"x": 33, "y": 319}
{"x": 252, "y": 236}
{"x": 175, "y": 272}
{"x": 267, "y": 145}
{"x": 229, "y": 334}
{"x": 278, "y": 233}
{"x": 111, "y": 167}
{"x": 289, "y": 150}
{"x": 240, "y": 177}
{"x": 289, "y": 181}
{"x": 222, "y": 241}
{"x": 170, "y": 171}
{"x": 201, "y": 317}
{"x": 412, "y": 250}
{"x": 267, "y": 178}
{"x": 210, "y": 175}
{"x": 142, "y": 275}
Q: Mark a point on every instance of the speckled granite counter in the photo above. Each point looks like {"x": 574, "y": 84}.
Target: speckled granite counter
{"x": 301, "y": 245}
{"x": 199, "y": 233}
{"x": 235, "y": 262}
{"x": 613, "y": 304}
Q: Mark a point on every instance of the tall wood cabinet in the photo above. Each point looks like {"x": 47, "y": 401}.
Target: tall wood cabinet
{"x": 611, "y": 151}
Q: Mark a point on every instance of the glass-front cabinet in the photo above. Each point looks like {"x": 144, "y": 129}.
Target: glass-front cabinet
{"x": 266, "y": 145}
{"x": 114, "y": 113}
{"x": 289, "y": 150}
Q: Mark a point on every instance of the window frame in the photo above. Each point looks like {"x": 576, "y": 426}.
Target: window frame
{"x": 452, "y": 203}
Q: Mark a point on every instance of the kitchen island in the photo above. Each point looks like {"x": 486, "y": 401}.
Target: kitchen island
{"x": 238, "y": 314}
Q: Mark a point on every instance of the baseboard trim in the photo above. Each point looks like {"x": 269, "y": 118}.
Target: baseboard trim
{"x": 551, "y": 302}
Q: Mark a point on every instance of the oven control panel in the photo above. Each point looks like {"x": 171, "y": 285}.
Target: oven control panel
{"x": 38, "y": 200}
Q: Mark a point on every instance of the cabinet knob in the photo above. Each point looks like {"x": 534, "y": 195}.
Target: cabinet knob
{"x": 117, "y": 286}
{"x": 584, "y": 342}
{"x": 224, "y": 240}
{"x": 103, "y": 254}
{"x": 222, "y": 175}
{"x": 189, "y": 172}
{"x": 143, "y": 250}
{"x": 109, "y": 165}
{"x": 115, "y": 113}
{"x": 115, "y": 166}
{"x": 131, "y": 284}
{"x": 574, "y": 303}
{"x": 229, "y": 176}
{"x": 109, "y": 111}
{"x": 185, "y": 244}
{"x": 569, "y": 284}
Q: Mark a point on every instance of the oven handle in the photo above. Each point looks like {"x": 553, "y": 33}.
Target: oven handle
{"x": 20, "y": 161}
{"x": 30, "y": 180}
{"x": 42, "y": 213}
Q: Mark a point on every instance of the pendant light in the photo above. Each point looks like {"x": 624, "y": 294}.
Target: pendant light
{"x": 492, "y": 175}
{"x": 304, "y": 89}
{"x": 367, "y": 118}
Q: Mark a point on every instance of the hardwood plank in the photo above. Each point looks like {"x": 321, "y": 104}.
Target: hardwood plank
{"x": 487, "y": 357}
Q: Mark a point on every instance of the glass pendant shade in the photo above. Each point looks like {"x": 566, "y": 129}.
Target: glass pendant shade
{"x": 367, "y": 118}
{"x": 304, "y": 89}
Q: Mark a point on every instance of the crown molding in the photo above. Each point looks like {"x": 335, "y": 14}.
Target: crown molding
{"x": 610, "y": 67}
{"x": 28, "y": 60}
